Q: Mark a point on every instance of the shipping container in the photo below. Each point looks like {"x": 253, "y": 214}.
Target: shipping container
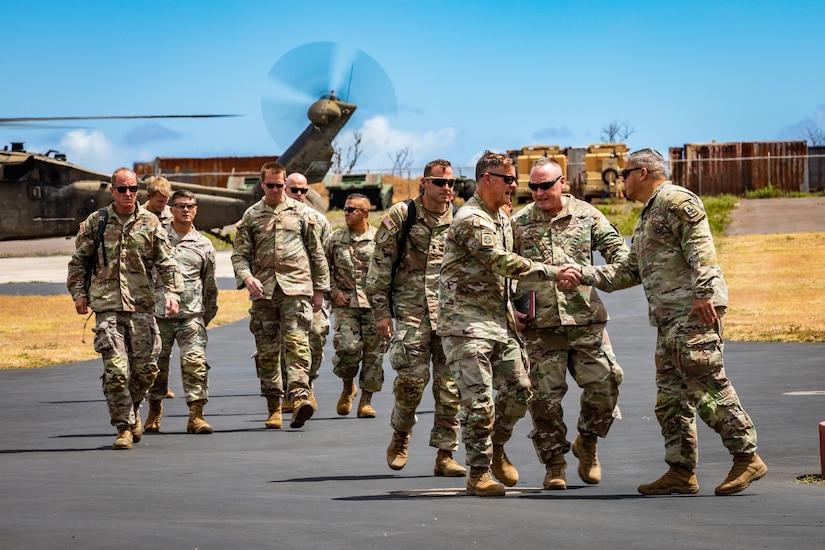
{"x": 209, "y": 172}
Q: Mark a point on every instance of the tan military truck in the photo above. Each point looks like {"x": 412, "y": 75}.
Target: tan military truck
{"x": 524, "y": 159}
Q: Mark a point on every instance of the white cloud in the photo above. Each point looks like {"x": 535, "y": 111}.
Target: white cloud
{"x": 379, "y": 142}
{"x": 92, "y": 150}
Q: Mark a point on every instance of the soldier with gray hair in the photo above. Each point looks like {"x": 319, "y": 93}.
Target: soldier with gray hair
{"x": 568, "y": 330}
{"x": 673, "y": 256}
{"x": 117, "y": 248}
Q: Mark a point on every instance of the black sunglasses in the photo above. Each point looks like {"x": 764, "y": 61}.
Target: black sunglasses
{"x": 300, "y": 190}
{"x": 123, "y": 188}
{"x": 351, "y": 209}
{"x": 507, "y": 179}
{"x": 274, "y": 185}
{"x": 544, "y": 186}
{"x": 626, "y": 172}
{"x": 441, "y": 182}
{"x": 190, "y": 206}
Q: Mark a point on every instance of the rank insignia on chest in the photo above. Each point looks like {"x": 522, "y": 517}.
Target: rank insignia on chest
{"x": 388, "y": 222}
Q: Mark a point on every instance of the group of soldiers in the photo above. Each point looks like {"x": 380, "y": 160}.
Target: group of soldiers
{"x": 435, "y": 287}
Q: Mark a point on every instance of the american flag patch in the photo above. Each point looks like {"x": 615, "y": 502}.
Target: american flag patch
{"x": 388, "y": 222}
{"x": 82, "y": 230}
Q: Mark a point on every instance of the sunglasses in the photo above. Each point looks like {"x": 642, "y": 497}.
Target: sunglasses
{"x": 274, "y": 185}
{"x": 351, "y": 209}
{"x": 507, "y": 179}
{"x": 544, "y": 186}
{"x": 123, "y": 188}
{"x": 300, "y": 190}
{"x": 626, "y": 172}
{"x": 441, "y": 182}
{"x": 185, "y": 206}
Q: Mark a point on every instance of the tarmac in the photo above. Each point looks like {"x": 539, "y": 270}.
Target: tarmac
{"x": 327, "y": 485}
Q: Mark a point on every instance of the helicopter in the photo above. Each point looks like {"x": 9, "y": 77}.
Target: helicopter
{"x": 45, "y": 195}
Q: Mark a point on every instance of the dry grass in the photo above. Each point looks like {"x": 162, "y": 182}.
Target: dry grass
{"x": 52, "y": 333}
{"x": 775, "y": 284}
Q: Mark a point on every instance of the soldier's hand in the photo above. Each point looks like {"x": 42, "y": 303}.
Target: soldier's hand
{"x": 254, "y": 286}
{"x": 317, "y": 300}
{"x": 569, "y": 276}
{"x": 385, "y": 328}
{"x": 703, "y": 308}
{"x": 81, "y": 305}
{"x": 521, "y": 320}
{"x": 171, "y": 307}
{"x": 341, "y": 299}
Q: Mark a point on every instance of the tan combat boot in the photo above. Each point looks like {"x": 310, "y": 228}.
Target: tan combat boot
{"x": 584, "y": 448}
{"x": 446, "y": 466}
{"x": 746, "y": 469}
{"x": 124, "y": 438}
{"x": 502, "y": 468}
{"x": 481, "y": 483}
{"x": 555, "y": 476}
{"x": 302, "y": 411}
{"x": 365, "y": 410}
{"x": 676, "y": 480}
{"x": 397, "y": 451}
{"x": 154, "y": 416}
{"x": 312, "y": 400}
{"x": 273, "y": 421}
{"x": 137, "y": 427}
{"x": 196, "y": 424}
{"x": 347, "y": 395}
{"x": 286, "y": 406}
{"x": 169, "y": 393}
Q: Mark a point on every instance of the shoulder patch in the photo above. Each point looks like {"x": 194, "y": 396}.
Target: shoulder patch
{"x": 388, "y": 223}
{"x": 83, "y": 228}
{"x": 488, "y": 240}
{"x": 690, "y": 211}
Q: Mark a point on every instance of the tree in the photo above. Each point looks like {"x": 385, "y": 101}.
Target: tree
{"x": 353, "y": 152}
{"x": 616, "y": 132}
{"x": 816, "y": 136}
{"x": 401, "y": 161}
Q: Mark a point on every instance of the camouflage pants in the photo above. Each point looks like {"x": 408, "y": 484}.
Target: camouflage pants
{"x": 317, "y": 340}
{"x": 480, "y": 366}
{"x": 129, "y": 344}
{"x": 411, "y": 349}
{"x": 690, "y": 377}
{"x": 586, "y": 353}
{"x": 190, "y": 334}
{"x": 281, "y": 325}
{"x": 356, "y": 341}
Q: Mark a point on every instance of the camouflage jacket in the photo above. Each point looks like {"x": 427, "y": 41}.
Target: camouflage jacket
{"x": 349, "y": 255}
{"x": 474, "y": 295}
{"x": 414, "y": 288}
{"x": 671, "y": 254}
{"x": 124, "y": 281}
{"x": 280, "y": 247}
{"x": 196, "y": 260}
{"x": 165, "y": 217}
{"x": 570, "y": 236}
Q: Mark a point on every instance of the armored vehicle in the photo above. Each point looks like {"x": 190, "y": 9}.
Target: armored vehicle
{"x": 340, "y": 186}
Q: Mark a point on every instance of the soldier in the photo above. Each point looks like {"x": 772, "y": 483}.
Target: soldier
{"x": 158, "y": 191}
{"x": 672, "y": 255}
{"x": 198, "y": 305}
{"x": 110, "y": 272}
{"x": 356, "y": 338}
{"x": 403, "y": 283}
{"x": 278, "y": 257}
{"x": 568, "y": 330}
{"x": 297, "y": 188}
{"x": 477, "y": 323}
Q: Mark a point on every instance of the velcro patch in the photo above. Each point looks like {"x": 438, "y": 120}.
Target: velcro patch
{"x": 388, "y": 222}
{"x": 488, "y": 240}
{"x": 690, "y": 211}
{"x": 83, "y": 228}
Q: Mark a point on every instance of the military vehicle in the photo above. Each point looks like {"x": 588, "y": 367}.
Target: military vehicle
{"x": 44, "y": 195}
{"x": 340, "y": 186}
{"x": 591, "y": 172}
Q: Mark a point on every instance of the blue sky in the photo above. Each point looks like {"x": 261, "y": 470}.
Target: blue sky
{"x": 467, "y": 76}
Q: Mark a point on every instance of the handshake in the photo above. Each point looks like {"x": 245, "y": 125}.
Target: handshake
{"x": 569, "y": 276}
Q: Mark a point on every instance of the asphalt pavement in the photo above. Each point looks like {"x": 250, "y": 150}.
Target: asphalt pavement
{"x": 327, "y": 485}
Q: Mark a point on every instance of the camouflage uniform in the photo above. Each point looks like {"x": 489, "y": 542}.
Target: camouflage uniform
{"x": 164, "y": 217}
{"x": 673, "y": 256}
{"x": 120, "y": 294}
{"x": 568, "y": 332}
{"x": 280, "y": 247}
{"x": 356, "y": 338}
{"x": 320, "y": 319}
{"x": 414, "y": 291}
{"x": 480, "y": 340}
{"x": 198, "y": 306}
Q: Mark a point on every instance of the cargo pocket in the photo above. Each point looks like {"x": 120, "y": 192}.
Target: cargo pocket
{"x": 702, "y": 354}
{"x": 103, "y": 337}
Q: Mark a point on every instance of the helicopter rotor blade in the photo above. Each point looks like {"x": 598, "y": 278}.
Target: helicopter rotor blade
{"x": 32, "y": 122}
